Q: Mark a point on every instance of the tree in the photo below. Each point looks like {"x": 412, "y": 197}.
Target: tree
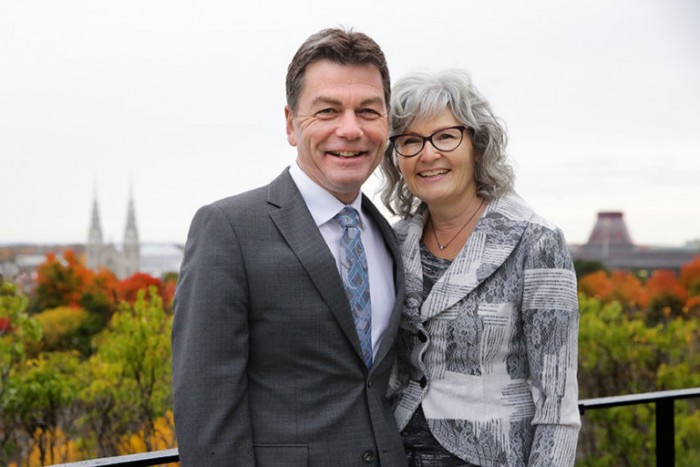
{"x": 18, "y": 328}
{"x": 130, "y": 287}
{"x": 667, "y": 297}
{"x": 583, "y": 267}
{"x": 628, "y": 290}
{"x": 60, "y": 329}
{"x": 61, "y": 282}
{"x": 596, "y": 285}
{"x": 690, "y": 277}
{"x": 43, "y": 396}
{"x": 621, "y": 354}
{"x": 134, "y": 355}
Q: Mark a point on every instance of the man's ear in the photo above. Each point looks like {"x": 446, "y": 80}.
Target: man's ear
{"x": 291, "y": 134}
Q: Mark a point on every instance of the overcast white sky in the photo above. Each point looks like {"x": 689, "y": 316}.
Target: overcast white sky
{"x": 185, "y": 99}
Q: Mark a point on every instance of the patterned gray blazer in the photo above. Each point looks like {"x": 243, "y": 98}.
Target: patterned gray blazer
{"x": 491, "y": 352}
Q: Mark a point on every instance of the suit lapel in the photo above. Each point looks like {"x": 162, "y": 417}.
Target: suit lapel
{"x": 496, "y": 235}
{"x": 292, "y": 218}
{"x": 392, "y": 246}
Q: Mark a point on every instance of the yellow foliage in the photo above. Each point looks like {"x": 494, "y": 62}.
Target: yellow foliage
{"x": 63, "y": 450}
{"x": 57, "y": 323}
{"x": 66, "y": 450}
{"x": 163, "y": 438}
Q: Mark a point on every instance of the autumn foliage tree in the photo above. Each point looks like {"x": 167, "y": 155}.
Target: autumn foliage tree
{"x": 129, "y": 288}
{"x": 67, "y": 281}
{"x": 60, "y": 281}
{"x": 621, "y": 286}
{"x": 18, "y": 329}
{"x": 690, "y": 277}
{"x": 59, "y": 406}
{"x": 638, "y": 336}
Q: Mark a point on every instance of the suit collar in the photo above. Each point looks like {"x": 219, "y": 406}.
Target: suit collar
{"x": 291, "y": 215}
{"x": 496, "y": 235}
{"x": 293, "y": 219}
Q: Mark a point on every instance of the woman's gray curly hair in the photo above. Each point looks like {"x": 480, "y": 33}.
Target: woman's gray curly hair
{"x": 421, "y": 96}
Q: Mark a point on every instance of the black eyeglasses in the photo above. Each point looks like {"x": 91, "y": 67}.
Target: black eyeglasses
{"x": 411, "y": 144}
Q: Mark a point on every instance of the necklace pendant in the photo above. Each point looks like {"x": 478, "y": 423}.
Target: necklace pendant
{"x": 441, "y": 246}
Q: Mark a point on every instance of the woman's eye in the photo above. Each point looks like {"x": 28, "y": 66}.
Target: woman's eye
{"x": 445, "y": 136}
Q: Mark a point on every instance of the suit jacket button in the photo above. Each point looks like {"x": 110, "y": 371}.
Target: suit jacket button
{"x": 368, "y": 455}
{"x": 369, "y": 382}
{"x": 423, "y": 382}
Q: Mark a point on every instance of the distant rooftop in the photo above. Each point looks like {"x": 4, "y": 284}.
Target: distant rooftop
{"x": 610, "y": 243}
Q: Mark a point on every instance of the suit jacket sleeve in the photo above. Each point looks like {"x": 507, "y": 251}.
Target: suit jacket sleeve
{"x": 210, "y": 347}
{"x": 550, "y": 314}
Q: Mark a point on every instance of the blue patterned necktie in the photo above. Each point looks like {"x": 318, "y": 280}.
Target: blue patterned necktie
{"x": 353, "y": 270}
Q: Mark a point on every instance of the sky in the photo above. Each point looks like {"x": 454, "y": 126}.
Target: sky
{"x": 182, "y": 103}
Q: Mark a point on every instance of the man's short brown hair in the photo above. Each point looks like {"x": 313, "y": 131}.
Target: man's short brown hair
{"x": 338, "y": 46}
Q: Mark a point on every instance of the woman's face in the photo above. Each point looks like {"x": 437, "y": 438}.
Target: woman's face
{"x": 437, "y": 177}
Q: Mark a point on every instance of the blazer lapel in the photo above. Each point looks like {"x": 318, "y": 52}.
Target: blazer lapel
{"x": 496, "y": 235}
{"x": 393, "y": 247}
{"x": 291, "y": 216}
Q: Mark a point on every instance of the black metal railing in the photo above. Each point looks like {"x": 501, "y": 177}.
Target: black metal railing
{"x": 665, "y": 427}
{"x": 665, "y": 430}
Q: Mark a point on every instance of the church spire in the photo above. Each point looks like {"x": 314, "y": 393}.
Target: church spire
{"x": 93, "y": 250}
{"x": 131, "y": 238}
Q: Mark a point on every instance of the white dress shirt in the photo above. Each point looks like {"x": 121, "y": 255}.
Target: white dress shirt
{"x": 323, "y": 207}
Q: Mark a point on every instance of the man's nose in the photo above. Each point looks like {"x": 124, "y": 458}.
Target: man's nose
{"x": 349, "y": 126}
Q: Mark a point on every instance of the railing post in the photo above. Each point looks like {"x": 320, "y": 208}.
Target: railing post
{"x": 665, "y": 435}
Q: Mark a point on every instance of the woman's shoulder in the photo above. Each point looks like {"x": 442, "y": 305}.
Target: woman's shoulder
{"x": 517, "y": 209}
{"x": 413, "y": 222}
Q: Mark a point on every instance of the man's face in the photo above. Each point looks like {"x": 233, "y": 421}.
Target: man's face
{"x": 340, "y": 127}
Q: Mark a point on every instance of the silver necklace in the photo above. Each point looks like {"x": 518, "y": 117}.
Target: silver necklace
{"x": 442, "y": 246}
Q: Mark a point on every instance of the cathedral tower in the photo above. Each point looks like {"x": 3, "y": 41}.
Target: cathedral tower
{"x": 123, "y": 261}
{"x": 94, "y": 247}
{"x": 131, "y": 258}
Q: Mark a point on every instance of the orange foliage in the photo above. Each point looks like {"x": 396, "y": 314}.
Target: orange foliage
{"x": 693, "y": 305}
{"x": 665, "y": 282}
{"x": 61, "y": 282}
{"x": 105, "y": 283}
{"x": 628, "y": 289}
{"x": 596, "y": 285}
{"x": 690, "y": 276}
{"x": 169, "y": 293}
{"x": 68, "y": 282}
{"x": 129, "y": 287}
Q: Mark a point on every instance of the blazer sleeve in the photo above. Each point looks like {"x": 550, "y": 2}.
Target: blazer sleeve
{"x": 550, "y": 317}
{"x": 210, "y": 347}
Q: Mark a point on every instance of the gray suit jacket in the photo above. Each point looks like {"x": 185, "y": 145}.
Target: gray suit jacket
{"x": 267, "y": 365}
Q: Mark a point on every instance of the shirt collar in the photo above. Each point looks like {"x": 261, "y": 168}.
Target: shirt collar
{"x": 322, "y": 205}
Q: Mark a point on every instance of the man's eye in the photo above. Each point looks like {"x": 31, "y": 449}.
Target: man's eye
{"x": 369, "y": 113}
{"x": 326, "y": 112}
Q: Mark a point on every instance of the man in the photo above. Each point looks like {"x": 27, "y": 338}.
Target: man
{"x": 272, "y": 364}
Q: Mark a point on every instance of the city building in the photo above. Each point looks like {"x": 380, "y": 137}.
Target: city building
{"x": 611, "y": 244}
{"x": 123, "y": 260}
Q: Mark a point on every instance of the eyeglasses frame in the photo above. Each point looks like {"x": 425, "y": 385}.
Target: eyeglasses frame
{"x": 462, "y": 128}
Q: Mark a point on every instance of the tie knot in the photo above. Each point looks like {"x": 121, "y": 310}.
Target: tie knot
{"x": 348, "y": 217}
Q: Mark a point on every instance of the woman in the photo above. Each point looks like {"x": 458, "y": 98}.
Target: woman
{"x": 488, "y": 344}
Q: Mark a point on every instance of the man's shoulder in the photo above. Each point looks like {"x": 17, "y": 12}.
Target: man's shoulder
{"x": 240, "y": 200}
{"x": 249, "y": 198}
